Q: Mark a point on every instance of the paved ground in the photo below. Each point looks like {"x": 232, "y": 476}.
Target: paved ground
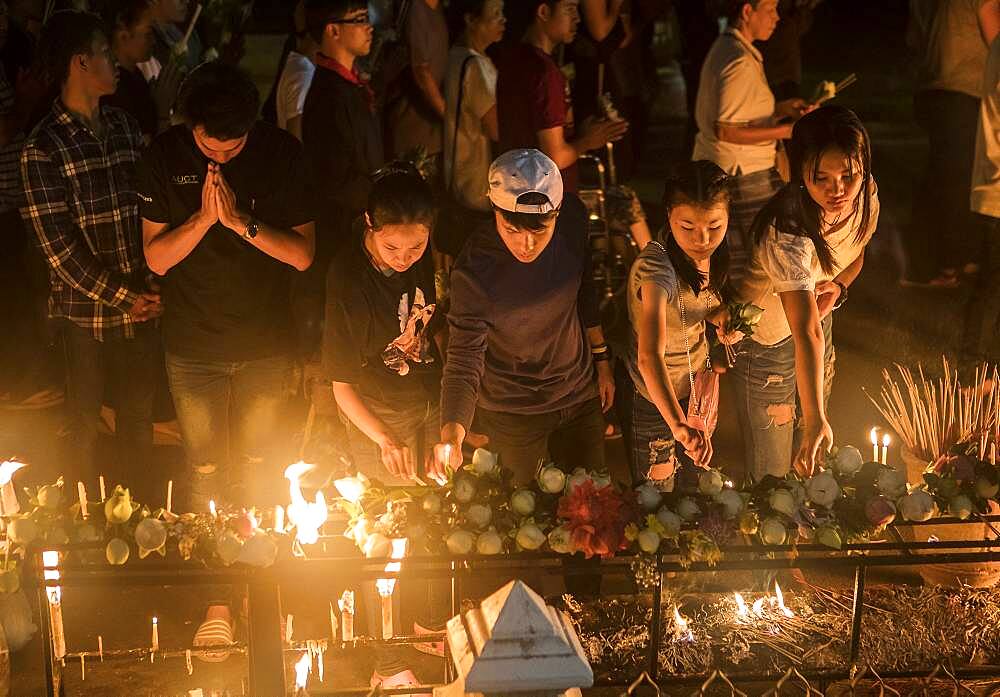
{"x": 880, "y": 325}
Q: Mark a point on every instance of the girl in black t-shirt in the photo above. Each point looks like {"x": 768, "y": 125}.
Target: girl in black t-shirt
{"x": 378, "y": 348}
{"x": 380, "y": 356}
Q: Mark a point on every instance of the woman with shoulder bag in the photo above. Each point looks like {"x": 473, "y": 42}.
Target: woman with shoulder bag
{"x": 809, "y": 246}
{"x": 674, "y": 288}
{"x": 470, "y": 120}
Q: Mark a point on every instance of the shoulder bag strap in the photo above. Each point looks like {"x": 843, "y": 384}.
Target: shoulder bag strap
{"x": 458, "y": 119}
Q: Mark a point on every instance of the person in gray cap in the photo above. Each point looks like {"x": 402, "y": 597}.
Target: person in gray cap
{"x": 525, "y": 333}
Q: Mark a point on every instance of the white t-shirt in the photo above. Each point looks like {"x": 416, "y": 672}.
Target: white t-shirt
{"x": 733, "y": 90}
{"x": 293, "y": 86}
{"x": 784, "y": 262}
{"x": 985, "y": 197}
{"x": 474, "y": 151}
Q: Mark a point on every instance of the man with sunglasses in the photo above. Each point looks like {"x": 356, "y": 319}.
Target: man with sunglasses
{"x": 524, "y": 329}
{"x": 342, "y": 138}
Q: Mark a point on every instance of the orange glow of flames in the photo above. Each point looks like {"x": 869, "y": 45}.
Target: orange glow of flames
{"x": 307, "y": 516}
{"x": 302, "y": 669}
{"x": 781, "y": 601}
{"x": 681, "y": 630}
{"x": 386, "y": 586}
{"x": 741, "y": 607}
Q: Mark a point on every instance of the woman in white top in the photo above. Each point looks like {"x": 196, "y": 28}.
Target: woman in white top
{"x": 737, "y": 117}
{"x": 296, "y": 76}
{"x": 809, "y": 247}
{"x": 470, "y": 101}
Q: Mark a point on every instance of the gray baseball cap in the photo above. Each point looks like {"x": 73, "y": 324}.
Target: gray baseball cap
{"x": 525, "y": 171}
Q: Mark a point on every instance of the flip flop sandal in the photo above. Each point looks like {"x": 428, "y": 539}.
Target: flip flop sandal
{"x": 431, "y": 648}
{"x": 211, "y": 633}
{"x": 404, "y": 678}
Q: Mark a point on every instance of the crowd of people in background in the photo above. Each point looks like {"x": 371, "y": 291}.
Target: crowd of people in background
{"x": 399, "y": 233}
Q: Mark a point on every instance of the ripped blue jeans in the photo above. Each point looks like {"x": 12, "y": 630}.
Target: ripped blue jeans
{"x": 763, "y": 380}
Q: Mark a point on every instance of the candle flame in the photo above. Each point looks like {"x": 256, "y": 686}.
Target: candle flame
{"x": 758, "y": 607}
{"x": 681, "y": 630}
{"x": 886, "y": 440}
{"x": 307, "y": 516}
{"x": 874, "y": 435}
{"x": 387, "y": 585}
{"x": 302, "y": 669}
{"x": 50, "y": 560}
{"x": 346, "y": 602}
{"x": 781, "y": 601}
{"x": 741, "y": 606}
{"x": 211, "y": 508}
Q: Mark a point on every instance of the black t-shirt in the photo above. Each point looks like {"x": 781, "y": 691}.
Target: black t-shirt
{"x": 377, "y": 326}
{"x": 226, "y": 300}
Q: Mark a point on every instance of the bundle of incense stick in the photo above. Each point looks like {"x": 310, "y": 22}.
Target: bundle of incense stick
{"x": 825, "y": 95}
{"x": 933, "y": 414}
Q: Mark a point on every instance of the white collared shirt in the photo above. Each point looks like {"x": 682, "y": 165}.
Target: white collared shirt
{"x": 733, "y": 90}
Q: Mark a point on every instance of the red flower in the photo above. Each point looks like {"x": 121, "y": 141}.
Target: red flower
{"x": 596, "y": 519}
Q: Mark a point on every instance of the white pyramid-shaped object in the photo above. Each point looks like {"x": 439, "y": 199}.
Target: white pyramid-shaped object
{"x": 514, "y": 642}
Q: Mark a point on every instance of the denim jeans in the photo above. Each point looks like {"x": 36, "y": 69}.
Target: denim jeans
{"x": 571, "y": 437}
{"x": 418, "y": 426}
{"x": 228, "y": 414}
{"x": 766, "y": 397}
{"x": 648, "y": 428}
{"x": 427, "y": 600}
{"x": 91, "y": 366}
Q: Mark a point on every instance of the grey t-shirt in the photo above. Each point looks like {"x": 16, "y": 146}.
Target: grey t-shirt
{"x": 950, "y": 47}
{"x": 654, "y": 266}
{"x": 414, "y": 123}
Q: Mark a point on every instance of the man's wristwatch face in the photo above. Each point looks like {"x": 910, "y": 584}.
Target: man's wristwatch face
{"x": 251, "y": 230}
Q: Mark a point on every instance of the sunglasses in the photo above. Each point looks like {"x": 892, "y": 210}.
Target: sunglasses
{"x": 360, "y": 19}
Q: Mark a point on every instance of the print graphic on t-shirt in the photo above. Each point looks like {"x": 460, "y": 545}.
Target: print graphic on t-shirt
{"x": 412, "y": 344}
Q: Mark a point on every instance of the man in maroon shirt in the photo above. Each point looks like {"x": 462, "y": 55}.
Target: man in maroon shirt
{"x": 533, "y": 100}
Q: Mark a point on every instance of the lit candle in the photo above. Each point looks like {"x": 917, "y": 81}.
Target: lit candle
{"x": 187, "y": 660}
{"x": 319, "y": 659}
{"x": 170, "y": 494}
{"x": 81, "y": 490}
{"x": 874, "y": 437}
{"x": 50, "y": 562}
{"x": 288, "y": 629}
{"x": 279, "y": 520}
{"x": 100, "y": 483}
{"x": 156, "y": 635}
{"x": 100, "y": 647}
{"x": 211, "y": 508}
{"x": 346, "y": 604}
{"x": 386, "y": 599}
{"x": 885, "y": 448}
{"x": 333, "y": 625}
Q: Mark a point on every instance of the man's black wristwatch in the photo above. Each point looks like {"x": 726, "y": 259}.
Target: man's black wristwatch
{"x": 251, "y": 230}
{"x": 843, "y": 295}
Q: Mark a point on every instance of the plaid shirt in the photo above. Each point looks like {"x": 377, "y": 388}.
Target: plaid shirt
{"x": 80, "y": 199}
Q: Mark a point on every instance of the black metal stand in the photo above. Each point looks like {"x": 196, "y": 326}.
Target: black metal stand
{"x": 266, "y": 651}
